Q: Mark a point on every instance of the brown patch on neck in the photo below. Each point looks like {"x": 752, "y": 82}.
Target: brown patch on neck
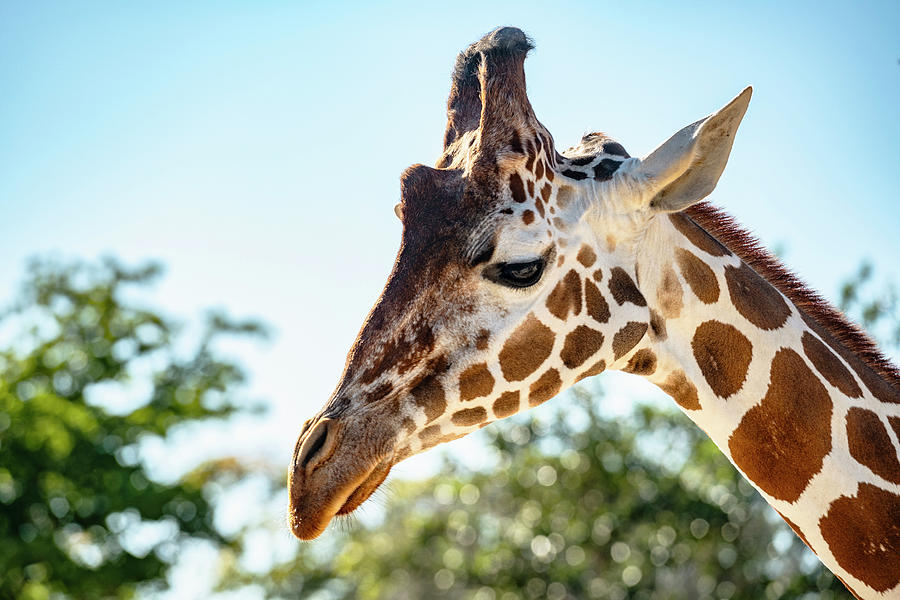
{"x": 782, "y": 442}
{"x": 627, "y": 338}
{"x": 642, "y": 362}
{"x": 544, "y": 388}
{"x": 657, "y": 325}
{"x": 863, "y": 535}
{"x": 682, "y": 390}
{"x": 669, "y": 296}
{"x": 698, "y": 275}
{"x": 845, "y": 334}
{"x": 871, "y": 445}
{"x": 723, "y": 354}
{"x": 829, "y": 366}
{"x": 753, "y": 297}
{"x": 697, "y": 235}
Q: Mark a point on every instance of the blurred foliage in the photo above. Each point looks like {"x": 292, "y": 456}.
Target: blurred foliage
{"x": 582, "y": 506}
{"x": 877, "y": 311}
{"x": 80, "y": 516}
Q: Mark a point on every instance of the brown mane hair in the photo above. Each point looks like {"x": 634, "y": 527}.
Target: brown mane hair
{"x": 747, "y": 247}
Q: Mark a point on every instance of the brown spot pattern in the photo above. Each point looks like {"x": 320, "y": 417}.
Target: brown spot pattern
{"x": 403, "y": 352}
{"x": 830, "y": 366}
{"x": 530, "y": 185}
{"x": 380, "y": 392}
{"x": 871, "y": 445}
{"x": 549, "y": 171}
{"x": 623, "y": 289}
{"x": 594, "y": 370}
{"x": 895, "y": 425}
{"x": 566, "y": 296}
{"x": 545, "y": 193}
{"x": 755, "y": 298}
{"x": 469, "y": 416}
{"x": 627, "y": 338}
{"x": 564, "y": 196}
{"x": 539, "y": 169}
{"x": 780, "y": 443}
{"x": 482, "y": 339}
{"x": 581, "y": 344}
{"x": 586, "y": 255}
{"x": 881, "y": 389}
{"x": 528, "y": 217}
{"x": 723, "y": 354}
{"x": 598, "y": 275}
{"x": 430, "y": 435}
{"x": 595, "y": 303}
{"x": 526, "y": 349}
{"x": 669, "y": 296}
{"x": 507, "y": 404}
{"x": 682, "y": 390}
{"x": 643, "y": 362}
{"x": 475, "y": 382}
{"x": 863, "y": 534}
{"x": 429, "y": 395}
{"x": 516, "y": 187}
{"x": 657, "y": 325}
{"x": 697, "y": 236}
{"x": 544, "y": 388}
{"x": 698, "y": 275}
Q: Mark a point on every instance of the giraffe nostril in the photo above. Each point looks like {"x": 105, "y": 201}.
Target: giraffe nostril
{"x": 316, "y": 440}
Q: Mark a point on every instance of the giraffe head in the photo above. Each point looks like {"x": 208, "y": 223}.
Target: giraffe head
{"x": 514, "y": 279}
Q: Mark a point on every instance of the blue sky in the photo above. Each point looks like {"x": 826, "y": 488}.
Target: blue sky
{"x": 255, "y": 148}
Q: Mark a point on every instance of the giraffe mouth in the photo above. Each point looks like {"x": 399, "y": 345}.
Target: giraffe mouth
{"x": 365, "y": 489}
{"x": 311, "y": 509}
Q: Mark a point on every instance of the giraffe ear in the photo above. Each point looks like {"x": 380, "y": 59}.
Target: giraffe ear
{"x": 686, "y": 168}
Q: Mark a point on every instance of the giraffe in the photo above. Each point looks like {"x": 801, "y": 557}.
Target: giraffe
{"x": 523, "y": 270}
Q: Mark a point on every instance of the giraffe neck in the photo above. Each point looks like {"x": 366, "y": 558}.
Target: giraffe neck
{"x": 810, "y": 425}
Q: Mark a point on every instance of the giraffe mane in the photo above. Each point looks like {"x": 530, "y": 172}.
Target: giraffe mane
{"x": 748, "y": 248}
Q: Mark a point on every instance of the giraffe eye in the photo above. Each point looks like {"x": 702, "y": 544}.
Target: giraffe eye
{"x": 516, "y": 275}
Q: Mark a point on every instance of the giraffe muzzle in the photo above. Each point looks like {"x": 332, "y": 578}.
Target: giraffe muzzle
{"x": 336, "y": 467}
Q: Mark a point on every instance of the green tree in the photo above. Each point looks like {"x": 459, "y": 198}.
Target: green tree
{"x": 878, "y": 312}
{"x": 79, "y": 515}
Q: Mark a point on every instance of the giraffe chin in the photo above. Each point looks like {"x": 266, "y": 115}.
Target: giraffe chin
{"x": 309, "y": 515}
